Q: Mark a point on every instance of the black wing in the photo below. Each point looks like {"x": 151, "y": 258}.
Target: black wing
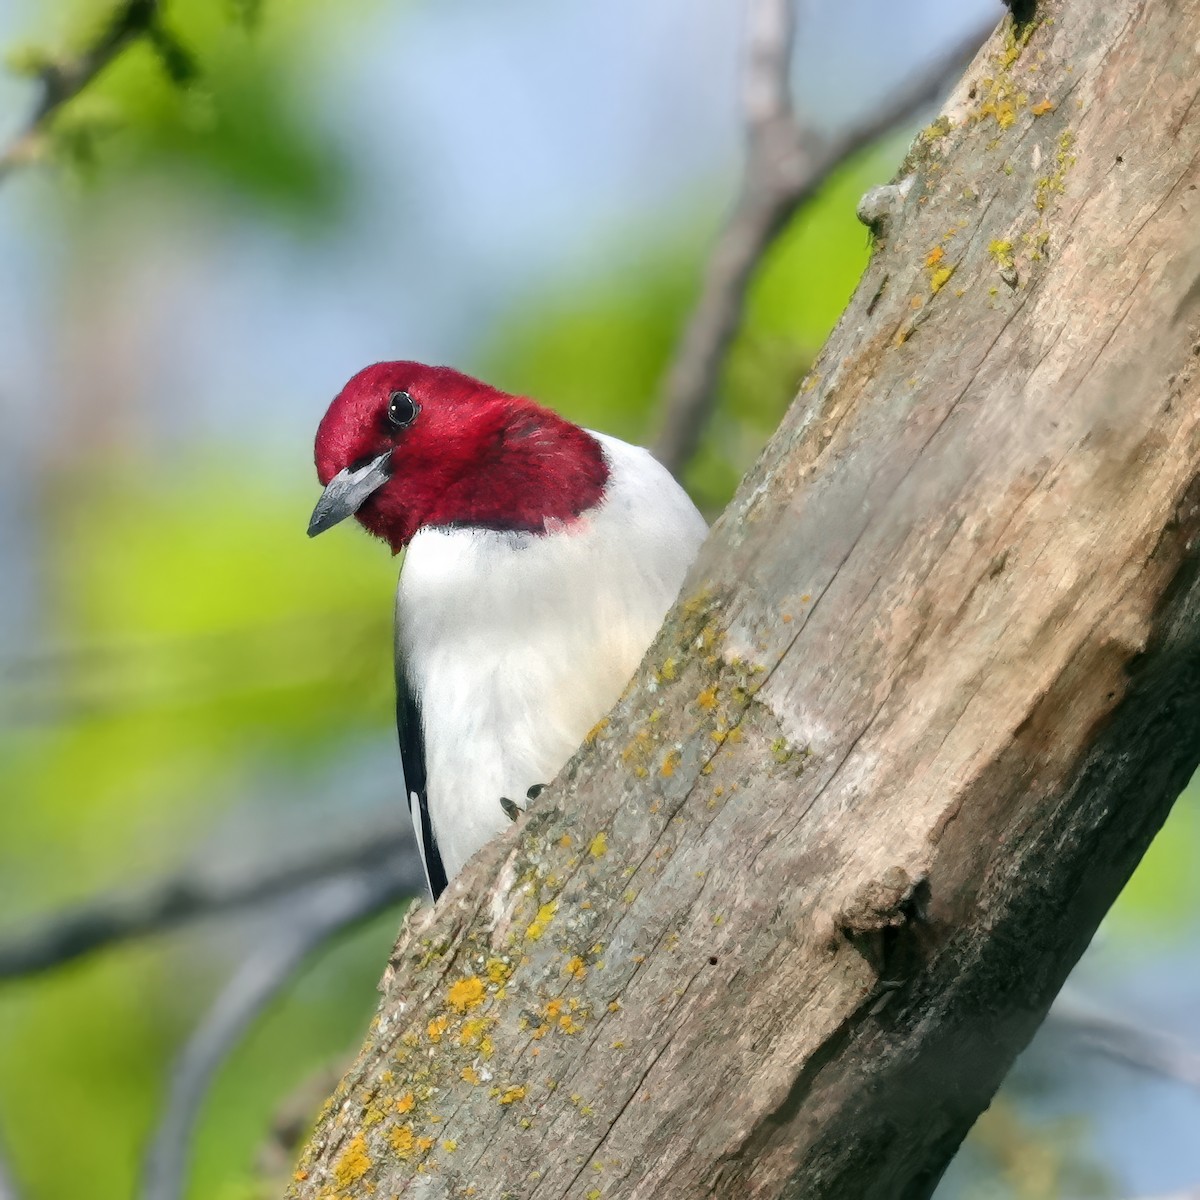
{"x": 412, "y": 761}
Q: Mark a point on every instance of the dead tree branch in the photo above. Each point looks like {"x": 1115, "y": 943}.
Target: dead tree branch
{"x": 933, "y": 684}
{"x": 64, "y": 79}
{"x": 787, "y": 163}
{"x": 199, "y": 893}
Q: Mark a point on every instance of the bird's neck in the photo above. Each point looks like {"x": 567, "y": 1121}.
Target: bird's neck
{"x": 538, "y": 475}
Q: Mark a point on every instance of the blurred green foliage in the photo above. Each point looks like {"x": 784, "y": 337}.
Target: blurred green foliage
{"x": 192, "y": 662}
{"x": 217, "y": 98}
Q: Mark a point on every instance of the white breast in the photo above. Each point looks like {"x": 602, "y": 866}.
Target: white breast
{"x": 517, "y": 644}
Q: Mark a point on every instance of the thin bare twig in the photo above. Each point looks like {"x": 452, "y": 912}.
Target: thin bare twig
{"x": 190, "y": 896}
{"x": 787, "y": 162}
{"x": 329, "y": 909}
{"x": 1125, "y": 1040}
{"x": 8, "y": 1183}
{"x": 65, "y": 79}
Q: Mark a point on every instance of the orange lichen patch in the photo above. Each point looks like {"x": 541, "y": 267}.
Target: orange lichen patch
{"x": 539, "y": 924}
{"x": 497, "y": 969}
{"x": 915, "y": 302}
{"x": 568, "y": 1024}
{"x": 575, "y": 967}
{"x": 598, "y": 846}
{"x": 466, "y": 993}
{"x": 402, "y": 1141}
{"x": 935, "y": 256}
{"x": 424, "y": 1143}
{"x": 707, "y": 698}
{"x": 436, "y": 1028}
{"x": 511, "y": 1095}
{"x": 406, "y": 1102}
{"x": 553, "y": 1008}
{"x": 940, "y": 278}
{"x": 300, "y": 1176}
{"x": 1042, "y": 107}
{"x": 670, "y": 761}
{"x": 565, "y": 841}
{"x": 470, "y": 1075}
{"x": 353, "y": 1163}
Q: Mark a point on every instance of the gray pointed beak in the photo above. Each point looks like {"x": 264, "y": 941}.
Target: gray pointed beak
{"x": 345, "y": 492}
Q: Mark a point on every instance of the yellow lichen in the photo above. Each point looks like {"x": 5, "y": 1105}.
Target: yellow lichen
{"x": 449, "y": 1145}
{"x": 473, "y": 1030}
{"x": 1002, "y": 252}
{"x": 353, "y": 1163}
{"x": 575, "y": 967}
{"x": 512, "y": 1094}
{"x": 538, "y": 925}
{"x": 940, "y": 278}
{"x": 708, "y": 698}
{"x": 598, "y": 846}
{"x": 471, "y": 1076}
{"x": 466, "y": 993}
{"x": 497, "y": 969}
{"x": 669, "y": 763}
{"x": 436, "y": 1028}
{"x": 1042, "y": 107}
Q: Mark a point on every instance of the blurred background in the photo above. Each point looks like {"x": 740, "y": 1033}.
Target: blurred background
{"x": 237, "y": 220}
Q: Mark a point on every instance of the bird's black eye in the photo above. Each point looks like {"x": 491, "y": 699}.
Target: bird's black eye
{"x": 402, "y": 410}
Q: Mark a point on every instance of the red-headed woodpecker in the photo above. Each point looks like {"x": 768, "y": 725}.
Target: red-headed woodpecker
{"x": 541, "y": 559}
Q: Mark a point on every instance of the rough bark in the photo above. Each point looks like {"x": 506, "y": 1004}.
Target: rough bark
{"x": 783, "y": 924}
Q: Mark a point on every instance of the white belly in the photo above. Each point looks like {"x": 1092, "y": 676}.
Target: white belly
{"x": 517, "y": 644}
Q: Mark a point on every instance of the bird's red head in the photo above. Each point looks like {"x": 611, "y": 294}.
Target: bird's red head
{"x": 405, "y": 446}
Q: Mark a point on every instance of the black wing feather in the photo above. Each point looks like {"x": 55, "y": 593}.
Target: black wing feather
{"x": 412, "y": 760}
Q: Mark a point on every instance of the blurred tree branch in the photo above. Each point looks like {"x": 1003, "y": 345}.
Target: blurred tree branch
{"x": 64, "y": 78}
{"x": 8, "y": 1185}
{"x": 323, "y": 912}
{"x": 197, "y": 893}
{"x": 787, "y": 162}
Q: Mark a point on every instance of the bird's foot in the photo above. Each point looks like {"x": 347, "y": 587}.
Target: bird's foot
{"x": 512, "y": 810}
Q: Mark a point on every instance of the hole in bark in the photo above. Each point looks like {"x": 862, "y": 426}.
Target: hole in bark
{"x": 712, "y": 960}
{"x": 1120, "y": 158}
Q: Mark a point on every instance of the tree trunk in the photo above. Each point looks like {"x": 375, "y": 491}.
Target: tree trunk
{"x": 783, "y": 924}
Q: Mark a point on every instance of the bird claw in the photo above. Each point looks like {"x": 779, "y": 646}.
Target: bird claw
{"x": 512, "y": 810}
